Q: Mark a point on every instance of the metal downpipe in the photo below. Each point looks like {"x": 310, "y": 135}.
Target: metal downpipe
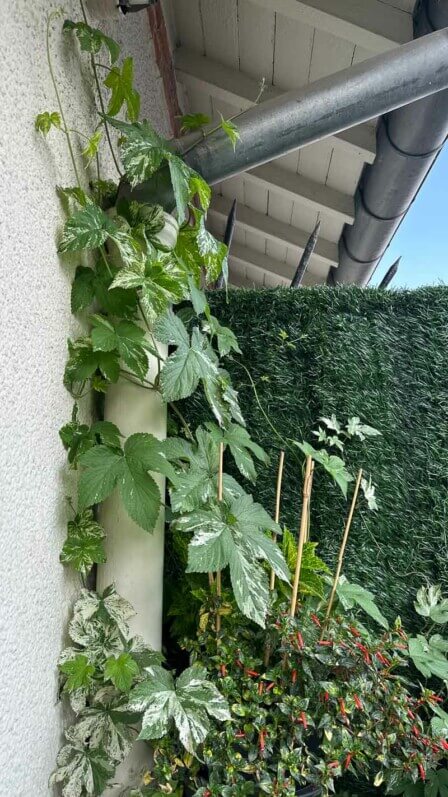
{"x": 325, "y": 107}
{"x": 408, "y": 142}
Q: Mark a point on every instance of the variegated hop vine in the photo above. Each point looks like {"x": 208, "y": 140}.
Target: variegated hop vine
{"x": 137, "y": 262}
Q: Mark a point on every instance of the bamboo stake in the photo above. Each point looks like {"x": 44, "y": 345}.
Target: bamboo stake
{"x": 308, "y": 520}
{"x": 277, "y": 506}
{"x": 218, "y": 572}
{"x": 302, "y": 533}
{"x": 342, "y": 551}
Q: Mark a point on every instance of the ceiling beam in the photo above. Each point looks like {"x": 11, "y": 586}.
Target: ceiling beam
{"x": 369, "y": 23}
{"x": 325, "y": 253}
{"x": 304, "y": 191}
{"x": 242, "y": 256}
{"x": 200, "y": 73}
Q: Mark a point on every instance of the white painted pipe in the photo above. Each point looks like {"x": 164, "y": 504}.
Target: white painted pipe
{"x": 135, "y": 557}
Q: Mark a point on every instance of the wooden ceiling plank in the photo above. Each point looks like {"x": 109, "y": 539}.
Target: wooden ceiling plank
{"x": 303, "y": 190}
{"x": 201, "y": 73}
{"x": 326, "y": 252}
{"x": 369, "y": 23}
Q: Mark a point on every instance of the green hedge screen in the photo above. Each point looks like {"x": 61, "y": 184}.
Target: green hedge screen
{"x": 380, "y": 355}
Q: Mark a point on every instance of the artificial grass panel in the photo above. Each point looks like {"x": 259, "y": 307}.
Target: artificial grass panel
{"x": 382, "y": 356}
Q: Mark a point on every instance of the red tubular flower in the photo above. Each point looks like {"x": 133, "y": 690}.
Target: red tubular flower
{"x": 354, "y": 631}
{"x": 444, "y": 744}
{"x": 325, "y": 643}
{"x": 294, "y": 676}
{"x": 358, "y": 703}
{"x": 342, "y": 707}
{"x": 300, "y": 640}
{"x": 261, "y": 741}
{"x": 303, "y": 719}
{"x": 347, "y": 761}
{"x": 410, "y": 714}
{"x": 315, "y": 620}
{"x": 415, "y": 731}
{"x": 252, "y": 673}
{"x": 223, "y": 670}
{"x": 270, "y": 686}
{"x": 326, "y": 696}
{"x": 421, "y": 769}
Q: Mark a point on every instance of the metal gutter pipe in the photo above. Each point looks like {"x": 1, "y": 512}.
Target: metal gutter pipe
{"x": 408, "y": 142}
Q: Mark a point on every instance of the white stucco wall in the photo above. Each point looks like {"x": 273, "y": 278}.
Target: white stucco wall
{"x": 35, "y": 591}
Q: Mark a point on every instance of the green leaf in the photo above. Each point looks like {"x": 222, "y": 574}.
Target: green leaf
{"x": 199, "y": 187}
{"x": 89, "y": 228}
{"x": 439, "y": 723}
{"x": 105, "y": 468}
{"x": 108, "y": 608}
{"x": 83, "y": 289}
{"x": 82, "y": 771}
{"x": 193, "y": 121}
{"x": 171, "y": 330}
{"x": 428, "y": 656}
{"x": 83, "y": 362}
{"x": 430, "y": 603}
{"x": 357, "y": 429}
{"x": 232, "y": 534}
{"x": 311, "y": 583}
{"x": 45, "y": 121}
{"x": 183, "y": 370}
{"x": 213, "y": 252}
{"x": 186, "y": 702}
{"x": 91, "y": 40}
{"x": 369, "y": 494}
{"x": 121, "y": 670}
{"x": 241, "y": 447}
{"x": 120, "y": 83}
{"x": 351, "y": 594}
{"x": 107, "y": 725}
{"x": 126, "y": 337}
{"x": 92, "y": 146}
{"x": 143, "y": 150}
{"x": 225, "y": 337}
{"x": 437, "y": 783}
{"x": 160, "y": 281}
{"x": 180, "y": 180}
{"x": 84, "y": 544}
{"x": 79, "y": 673}
{"x": 230, "y": 130}
{"x": 198, "y": 298}
{"x": 335, "y": 466}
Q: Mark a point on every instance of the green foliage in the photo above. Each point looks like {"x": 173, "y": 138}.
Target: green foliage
{"x": 232, "y": 534}
{"x": 106, "y": 467}
{"x": 351, "y": 595}
{"x": 84, "y": 544}
{"x": 230, "y": 130}
{"x": 186, "y": 701}
{"x": 193, "y": 121}
{"x": 120, "y": 82}
{"x": 358, "y": 353}
{"x": 91, "y": 40}
{"x": 312, "y": 569}
{"x": 322, "y": 704}
{"x": 46, "y": 120}
{"x": 429, "y": 656}
{"x": 335, "y": 466}
{"x": 121, "y": 670}
{"x": 432, "y": 605}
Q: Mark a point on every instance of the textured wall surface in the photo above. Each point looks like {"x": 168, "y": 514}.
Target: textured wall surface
{"x": 35, "y": 591}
